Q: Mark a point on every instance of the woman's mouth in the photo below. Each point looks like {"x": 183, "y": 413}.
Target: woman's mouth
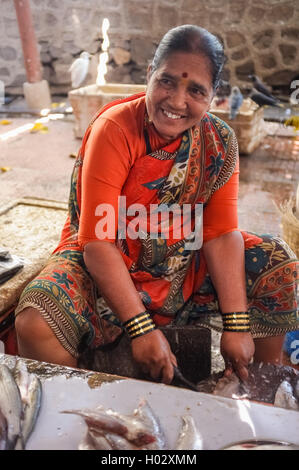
{"x": 171, "y": 115}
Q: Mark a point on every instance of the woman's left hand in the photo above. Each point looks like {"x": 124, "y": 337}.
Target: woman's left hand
{"x": 237, "y": 350}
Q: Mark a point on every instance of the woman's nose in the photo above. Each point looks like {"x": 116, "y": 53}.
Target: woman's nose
{"x": 178, "y": 99}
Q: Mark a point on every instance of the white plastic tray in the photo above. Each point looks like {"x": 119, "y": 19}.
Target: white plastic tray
{"x": 221, "y": 421}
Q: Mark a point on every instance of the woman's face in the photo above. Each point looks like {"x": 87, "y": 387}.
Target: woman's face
{"x": 179, "y": 93}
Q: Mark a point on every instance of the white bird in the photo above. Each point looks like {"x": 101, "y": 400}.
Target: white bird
{"x": 79, "y": 69}
{"x": 235, "y": 102}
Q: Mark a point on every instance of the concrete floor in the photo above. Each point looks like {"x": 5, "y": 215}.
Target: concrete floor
{"x": 40, "y": 165}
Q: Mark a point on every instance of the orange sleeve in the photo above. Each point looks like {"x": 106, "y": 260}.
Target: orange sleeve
{"x": 106, "y": 165}
{"x": 220, "y": 216}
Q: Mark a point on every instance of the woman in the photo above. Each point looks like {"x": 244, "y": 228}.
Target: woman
{"x": 161, "y": 148}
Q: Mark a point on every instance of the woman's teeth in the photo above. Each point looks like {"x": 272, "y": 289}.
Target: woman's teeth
{"x": 171, "y": 115}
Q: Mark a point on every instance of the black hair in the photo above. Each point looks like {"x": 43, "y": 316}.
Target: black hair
{"x": 191, "y": 39}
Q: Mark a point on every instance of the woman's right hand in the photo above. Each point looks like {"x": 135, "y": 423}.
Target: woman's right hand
{"x": 153, "y": 353}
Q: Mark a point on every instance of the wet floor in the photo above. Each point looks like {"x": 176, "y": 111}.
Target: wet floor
{"x": 268, "y": 178}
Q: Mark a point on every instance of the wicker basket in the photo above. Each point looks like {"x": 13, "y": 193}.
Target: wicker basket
{"x": 290, "y": 225}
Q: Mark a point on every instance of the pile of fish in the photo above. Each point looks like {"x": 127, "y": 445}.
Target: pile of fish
{"x": 108, "y": 429}
{"x": 20, "y": 400}
{"x": 268, "y": 383}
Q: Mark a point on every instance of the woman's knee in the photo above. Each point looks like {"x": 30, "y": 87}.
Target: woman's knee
{"x": 29, "y": 324}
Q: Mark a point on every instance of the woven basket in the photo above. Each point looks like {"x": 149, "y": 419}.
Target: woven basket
{"x": 290, "y": 225}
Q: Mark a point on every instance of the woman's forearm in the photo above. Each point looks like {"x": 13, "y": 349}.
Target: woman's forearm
{"x": 225, "y": 258}
{"x": 107, "y": 267}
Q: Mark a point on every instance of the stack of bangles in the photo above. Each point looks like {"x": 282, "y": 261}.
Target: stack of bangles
{"x": 139, "y": 325}
{"x": 236, "y": 321}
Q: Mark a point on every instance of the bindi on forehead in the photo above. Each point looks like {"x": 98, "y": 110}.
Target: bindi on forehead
{"x": 184, "y": 75}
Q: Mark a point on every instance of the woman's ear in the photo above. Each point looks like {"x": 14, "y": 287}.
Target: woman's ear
{"x": 149, "y": 72}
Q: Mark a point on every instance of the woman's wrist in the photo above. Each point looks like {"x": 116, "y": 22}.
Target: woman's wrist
{"x": 236, "y": 322}
{"x": 139, "y": 325}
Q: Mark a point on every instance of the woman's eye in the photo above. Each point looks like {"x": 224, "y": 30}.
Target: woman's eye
{"x": 197, "y": 91}
{"x": 166, "y": 82}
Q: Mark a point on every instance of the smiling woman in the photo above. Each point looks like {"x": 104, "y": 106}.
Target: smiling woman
{"x": 174, "y": 104}
{"x": 161, "y": 149}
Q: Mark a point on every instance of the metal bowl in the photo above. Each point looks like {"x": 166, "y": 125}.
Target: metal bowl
{"x": 261, "y": 445}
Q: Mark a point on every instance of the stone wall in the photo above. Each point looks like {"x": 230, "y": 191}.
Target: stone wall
{"x": 260, "y": 36}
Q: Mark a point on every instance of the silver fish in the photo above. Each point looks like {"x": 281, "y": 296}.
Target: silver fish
{"x": 31, "y": 392}
{"x": 94, "y": 441}
{"x": 146, "y": 415}
{"x": 284, "y": 397}
{"x": 120, "y": 443}
{"x": 3, "y": 431}
{"x": 189, "y": 437}
{"x": 11, "y": 407}
{"x": 109, "y": 421}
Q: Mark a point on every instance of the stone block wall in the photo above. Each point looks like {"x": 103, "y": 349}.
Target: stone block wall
{"x": 259, "y": 36}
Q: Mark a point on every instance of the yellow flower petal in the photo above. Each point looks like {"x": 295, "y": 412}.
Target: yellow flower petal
{"x": 293, "y": 122}
{"x": 36, "y": 127}
{"x": 39, "y": 127}
{"x": 5, "y": 168}
{"x": 5, "y": 122}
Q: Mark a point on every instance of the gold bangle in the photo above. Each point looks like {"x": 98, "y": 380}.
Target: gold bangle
{"x": 236, "y": 322}
{"x": 139, "y": 325}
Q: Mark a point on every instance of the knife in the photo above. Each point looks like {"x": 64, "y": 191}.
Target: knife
{"x": 179, "y": 376}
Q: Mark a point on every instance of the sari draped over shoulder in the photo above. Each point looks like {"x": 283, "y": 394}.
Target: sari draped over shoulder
{"x": 170, "y": 277}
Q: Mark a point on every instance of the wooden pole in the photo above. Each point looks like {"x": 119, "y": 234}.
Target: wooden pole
{"x": 29, "y": 43}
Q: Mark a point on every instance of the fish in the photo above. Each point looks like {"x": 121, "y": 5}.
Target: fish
{"x": 120, "y": 443}
{"x": 109, "y": 421}
{"x": 189, "y": 437}
{"x": 284, "y": 397}
{"x": 228, "y": 387}
{"x": 3, "y": 431}
{"x": 145, "y": 413}
{"x": 261, "y": 385}
{"x": 110, "y": 430}
{"x": 94, "y": 441}
{"x": 31, "y": 393}
{"x": 11, "y": 407}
